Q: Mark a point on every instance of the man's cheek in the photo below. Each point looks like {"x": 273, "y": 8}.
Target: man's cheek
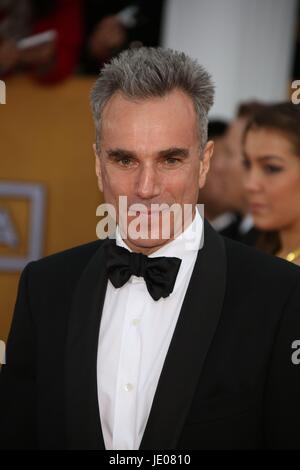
{"x": 110, "y": 183}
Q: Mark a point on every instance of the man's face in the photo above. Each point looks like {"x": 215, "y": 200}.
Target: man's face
{"x": 150, "y": 153}
{"x": 212, "y": 195}
{"x": 233, "y": 170}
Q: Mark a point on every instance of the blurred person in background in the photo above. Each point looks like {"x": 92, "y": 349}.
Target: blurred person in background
{"x": 50, "y": 58}
{"x": 235, "y": 196}
{"x": 272, "y": 181}
{"x": 216, "y": 209}
{"x": 15, "y": 23}
{"x": 112, "y": 27}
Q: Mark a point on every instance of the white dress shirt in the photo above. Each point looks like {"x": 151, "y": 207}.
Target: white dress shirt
{"x": 135, "y": 334}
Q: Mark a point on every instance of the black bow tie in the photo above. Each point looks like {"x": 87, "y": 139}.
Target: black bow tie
{"x": 159, "y": 273}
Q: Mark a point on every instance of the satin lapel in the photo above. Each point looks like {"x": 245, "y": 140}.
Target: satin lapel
{"x": 83, "y": 418}
{"x": 192, "y": 337}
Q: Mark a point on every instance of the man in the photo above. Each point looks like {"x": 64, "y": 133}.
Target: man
{"x": 212, "y": 193}
{"x": 217, "y": 210}
{"x": 154, "y": 343}
{"x": 233, "y": 173}
{"x": 113, "y": 26}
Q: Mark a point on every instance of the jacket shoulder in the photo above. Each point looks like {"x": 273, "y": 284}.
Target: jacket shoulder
{"x": 65, "y": 263}
{"x": 252, "y": 262}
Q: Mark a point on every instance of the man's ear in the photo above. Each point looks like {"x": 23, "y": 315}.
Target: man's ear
{"x": 205, "y": 162}
{"x": 98, "y": 168}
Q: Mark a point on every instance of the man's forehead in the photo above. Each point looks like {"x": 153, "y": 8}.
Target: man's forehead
{"x": 158, "y": 118}
{"x": 175, "y": 98}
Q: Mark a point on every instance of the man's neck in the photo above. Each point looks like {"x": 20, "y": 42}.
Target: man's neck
{"x": 145, "y": 250}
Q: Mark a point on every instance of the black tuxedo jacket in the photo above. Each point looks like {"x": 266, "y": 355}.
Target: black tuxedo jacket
{"x": 228, "y": 380}
{"x": 233, "y": 231}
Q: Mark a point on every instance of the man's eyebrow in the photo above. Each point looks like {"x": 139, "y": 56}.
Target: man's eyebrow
{"x": 170, "y": 152}
{"x": 269, "y": 157}
{"x": 120, "y": 153}
{"x": 263, "y": 158}
{"x": 174, "y": 152}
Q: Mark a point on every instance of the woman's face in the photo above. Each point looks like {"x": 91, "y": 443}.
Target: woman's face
{"x": 272, "y": 179}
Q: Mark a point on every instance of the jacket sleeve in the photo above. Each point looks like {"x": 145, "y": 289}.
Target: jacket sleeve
{"x": 17, "y": 377}
{"x": 282, "y": 399}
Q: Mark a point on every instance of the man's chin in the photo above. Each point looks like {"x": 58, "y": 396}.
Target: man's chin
{"x": 151, "y": 244}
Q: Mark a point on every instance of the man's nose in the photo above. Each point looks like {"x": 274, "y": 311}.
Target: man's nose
{"x": 252, "y": 181}
{"x": 219, "y": 164}
{"x": 148, "y": 183}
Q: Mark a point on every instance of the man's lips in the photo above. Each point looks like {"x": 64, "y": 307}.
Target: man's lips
{"x": 149, "y": 211}
{"x": 257, "y": 207}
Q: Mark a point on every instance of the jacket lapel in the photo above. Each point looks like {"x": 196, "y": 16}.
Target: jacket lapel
{"x": 83, "y": 418}
{"x": 192, "y": 337}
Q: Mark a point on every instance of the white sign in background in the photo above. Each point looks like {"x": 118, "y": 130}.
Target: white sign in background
{"x": 35, "y": 192}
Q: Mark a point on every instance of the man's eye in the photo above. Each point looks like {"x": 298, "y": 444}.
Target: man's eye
{"x": 171, "y": 160}
{"x": 272, "y": 169}
{"x": 246, "y": 164}
{"x": 124, "y": 161}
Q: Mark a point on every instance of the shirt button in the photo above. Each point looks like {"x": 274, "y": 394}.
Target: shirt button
{"x": 128, "y": 387}
{"x": 135, "y": 321}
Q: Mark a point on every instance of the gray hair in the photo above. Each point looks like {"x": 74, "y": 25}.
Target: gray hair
{"x": 153, "y": 72}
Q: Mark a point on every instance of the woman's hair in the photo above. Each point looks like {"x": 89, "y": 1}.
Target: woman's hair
{"x": 247, "y": 109}
{"x": 269, "y": 242}
{"x": 283, "y": 118}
